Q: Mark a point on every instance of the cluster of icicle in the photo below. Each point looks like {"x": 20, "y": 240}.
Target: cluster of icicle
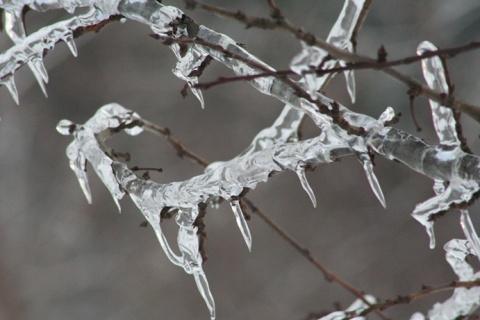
{"x": 455, "y": 173}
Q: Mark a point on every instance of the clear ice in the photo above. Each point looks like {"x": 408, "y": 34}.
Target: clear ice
{"x": 460, "y": 189}
{"x": 454, "y": 172}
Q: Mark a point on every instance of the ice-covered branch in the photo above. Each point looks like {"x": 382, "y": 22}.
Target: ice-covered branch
{"x": 337, "y": 53}
{"x": 226, "y": 181}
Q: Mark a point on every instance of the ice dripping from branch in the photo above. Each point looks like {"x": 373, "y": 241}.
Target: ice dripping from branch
{"x": 460, "y": 189}
{"x": 227, "y": 180}
{"x": 464, "y": 301}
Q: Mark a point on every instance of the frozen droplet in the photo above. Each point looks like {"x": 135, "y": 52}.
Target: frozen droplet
{"x": 9, "y": 83}
{"x": 300, "y": 170}
{"x": 469, "y": 231}
{"x": 65, "y": 127}
{"x": 241, "y": 223}
{"x": 71, "y": 45}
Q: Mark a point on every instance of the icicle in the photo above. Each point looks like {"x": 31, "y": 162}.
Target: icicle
{"x": 68, "y": 39}
{"x": 9, "y": 83}
{"x": 204, "y": 289}
{"x": 40, "y": 68}
{"x": 373, "y": 181}
{"x": 340, "y": 36}
{"x": 38, "y": 77}
{"x": 192, "y": 260}
{"x": 241, "y": 223}
{"x": 300, "y": 170}
{"x": 469, "y": 231}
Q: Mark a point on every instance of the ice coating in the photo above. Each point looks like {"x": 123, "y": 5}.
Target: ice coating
{"x": 356, "y": 307}
{"x": 226, "y": 180}
{"x": 340, "y": 36}
{"x": 459, "y": 190}
{"x": 463, "y": 301}
{"x": 283, "y": 92}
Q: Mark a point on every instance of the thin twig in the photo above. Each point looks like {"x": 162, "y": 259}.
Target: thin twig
{"x": 419, "y": 294}
{"x": 329, "y": 275}
{"x": 377, "y": 65}
{"x": 331, "y": 111}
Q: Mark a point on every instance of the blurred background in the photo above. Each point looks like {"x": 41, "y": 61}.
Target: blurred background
{"x": 64, "y": 259}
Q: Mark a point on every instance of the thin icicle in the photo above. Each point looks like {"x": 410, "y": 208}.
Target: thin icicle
{"x": 373, "y": 181}
{"x": 300, "y": 170}
{"x": 40, "y": 68}
{"x": 242, "y": 223}
{"x": 68, "y": 39}
{"x": 9, "y": 83}
{"x": 192, "y": 260}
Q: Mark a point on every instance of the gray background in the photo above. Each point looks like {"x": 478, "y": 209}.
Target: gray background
{"x": 64, "y": 259}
